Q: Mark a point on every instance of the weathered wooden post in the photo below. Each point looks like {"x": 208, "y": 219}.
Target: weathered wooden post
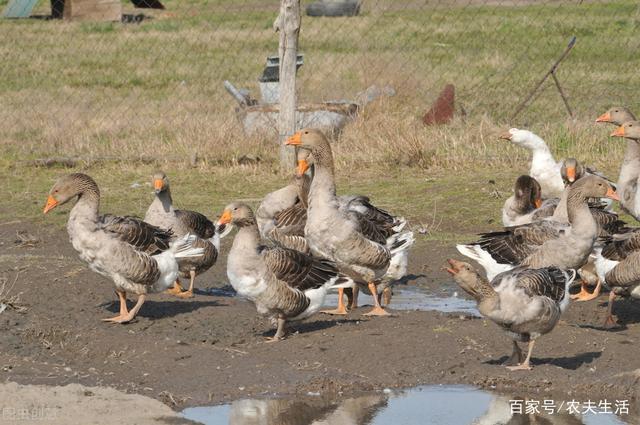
{"x": 288, "y": 23}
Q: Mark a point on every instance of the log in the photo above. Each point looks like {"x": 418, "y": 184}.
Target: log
{"x": 288, "y": 23}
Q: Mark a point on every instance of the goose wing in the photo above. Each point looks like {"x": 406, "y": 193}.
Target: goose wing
{"x": 547, "y": 282}
{"x": 292, "y": 220}
{"x": 196, "y": 223}
{"x": 626, "y": 273}
{"x": 298, "y": 270}
{"x": 619, "y": 246}
{"x": 137, "y": 233}
{"x": 514, "y": 244}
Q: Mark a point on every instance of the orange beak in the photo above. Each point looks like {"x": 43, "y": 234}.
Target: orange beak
{"x": 295, "y": 140}
{"x": 537, "y": 203}
{"x": 571, "y": 174}
{"x": 303, "y": 166}
{"x": 455, "y": 266}
{"x": 505, "y": 136}
{"x": 606, "y": 117}
{"x": 619, "y": 132}
{"x": 158, "y": 184}
{"x": 225, "y": 218}
{"x": 51, "y": 204}
{"x": 612, "y": 194}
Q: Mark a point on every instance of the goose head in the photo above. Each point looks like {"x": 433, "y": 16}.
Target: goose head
{"x": 67, "y": 188}
{"x": 617, "y": 115}
{"x": 523, "y": 138}
{"x": 571, "y": 170}
{"x": 237, "y": 214}
{"x": 527, "y": 190}
{"x": 629, "y": 130}
{"x": 310, "y": 139}
{"x": 594, "y": 187}
{"x": 466, "y": 277}
{"x": 160, "y": 182}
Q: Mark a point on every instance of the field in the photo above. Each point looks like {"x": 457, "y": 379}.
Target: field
{"x": 122, "y": 100}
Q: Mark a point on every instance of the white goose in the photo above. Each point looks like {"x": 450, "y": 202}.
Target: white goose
{"x": 544, "y": 168}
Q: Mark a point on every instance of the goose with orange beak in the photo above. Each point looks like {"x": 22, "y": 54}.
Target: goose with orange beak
{"x": 138, "y": 257}
{"x": 284, "y": 284}
{"x": 161, "y": 213}
{"x": 525, "y": 303}
{"x": 334, "y": 234}
{"x": 282, "y": 214}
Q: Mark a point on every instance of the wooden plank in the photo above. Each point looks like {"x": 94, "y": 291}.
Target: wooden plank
{"x": 288, "y": 23}
{"x": 19, "y": 8}
{"x": 93, "y": 10}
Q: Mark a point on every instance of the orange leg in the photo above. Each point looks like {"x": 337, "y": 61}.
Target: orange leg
{"x": 386, "y": 296}
{"x": 610, "y": 321}
{"x": 341, "y": 308}
{"x": 123, "y": 307}
{"x": 585, "y": 295}
{"x": 354, "y": 300}
{"x": 280, "y": 332}
{"x": 175, "y": 289}
{"x": 377, "y": 308}
{"x": 189, "y": 292}
{"x": 131, "y": 314}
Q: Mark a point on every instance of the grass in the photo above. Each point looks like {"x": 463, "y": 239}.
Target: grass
{"x": 154, "y": 90}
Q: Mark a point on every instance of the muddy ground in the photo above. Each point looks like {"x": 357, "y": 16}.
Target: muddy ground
{"x": 212, "y": 348}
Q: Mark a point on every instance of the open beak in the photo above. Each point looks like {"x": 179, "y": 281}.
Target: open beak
{"x": 612, "y": 194}
{"x": 571, "y": 174}
{"x": 225, "y": 218}
{"x": 295, "y": 140}
{"x": 455, "y": 266}
{"x": 619, "y": 132}
{"x": 505, "y": 136}
{"x": 606, "y": 117}
{"x": 158, "y": 185}
{"x": 302, "y": 168}
{"x": 51, "y": 204}
{"x": 537, "y": 203}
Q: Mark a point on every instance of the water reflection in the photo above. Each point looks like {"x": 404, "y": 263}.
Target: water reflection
{"x": 434, "y": 405}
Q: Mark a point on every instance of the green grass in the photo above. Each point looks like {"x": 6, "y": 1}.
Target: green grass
{"x": 114, "y": 91}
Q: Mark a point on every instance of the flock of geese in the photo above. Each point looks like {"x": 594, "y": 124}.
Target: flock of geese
{"x": 304, "y": 240}
{"x": 559, "y": 225}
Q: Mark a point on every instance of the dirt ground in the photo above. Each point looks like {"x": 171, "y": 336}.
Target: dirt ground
{"x": 212, "y": 348}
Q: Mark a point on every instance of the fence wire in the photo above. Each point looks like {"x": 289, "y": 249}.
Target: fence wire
{"x": 156, "y": 78}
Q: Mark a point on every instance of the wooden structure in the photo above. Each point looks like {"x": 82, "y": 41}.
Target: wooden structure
{"x": 288, "y": 23}
{"x": 93, "y": 10}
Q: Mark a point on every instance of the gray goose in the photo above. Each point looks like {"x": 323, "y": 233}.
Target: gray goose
{"x": 284, "y": 284}
{"x": 337, "y": 235}
{"x": 526, "y": 303}
{"x": 521, "y": 207}
{"x": 124, "y": 249}
{"x": 376, "y": 224}
{"x": 630, "y": 169}
{"x": 282, "y": 214}
{"x": 181, "y": 222}
{"x": 545, "y": 243}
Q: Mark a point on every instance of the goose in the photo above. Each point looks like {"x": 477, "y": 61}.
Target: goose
{"x": 181, "y": 222}
{"x": 128, "y": 251}
{"x": 525, "y": 302}
{"x": 618, "y": 266}
{"x": 376, "y": 224}
{"x": 338, "y": 236}
{"x": 281, "y": 216}
{"x": 545, "y": 243}
{"x": 523, "y": 204}
{"x": 630, "y": 169}
{"x": 543, "y": 168}
{"x": 284, "y": 284}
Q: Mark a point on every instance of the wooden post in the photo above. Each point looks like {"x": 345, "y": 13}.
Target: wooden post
{"x": 288, "y": 23}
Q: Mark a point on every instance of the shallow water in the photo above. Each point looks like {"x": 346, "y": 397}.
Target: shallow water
{"x": 435, "y": 405}
{"x": 413, "y": 297}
